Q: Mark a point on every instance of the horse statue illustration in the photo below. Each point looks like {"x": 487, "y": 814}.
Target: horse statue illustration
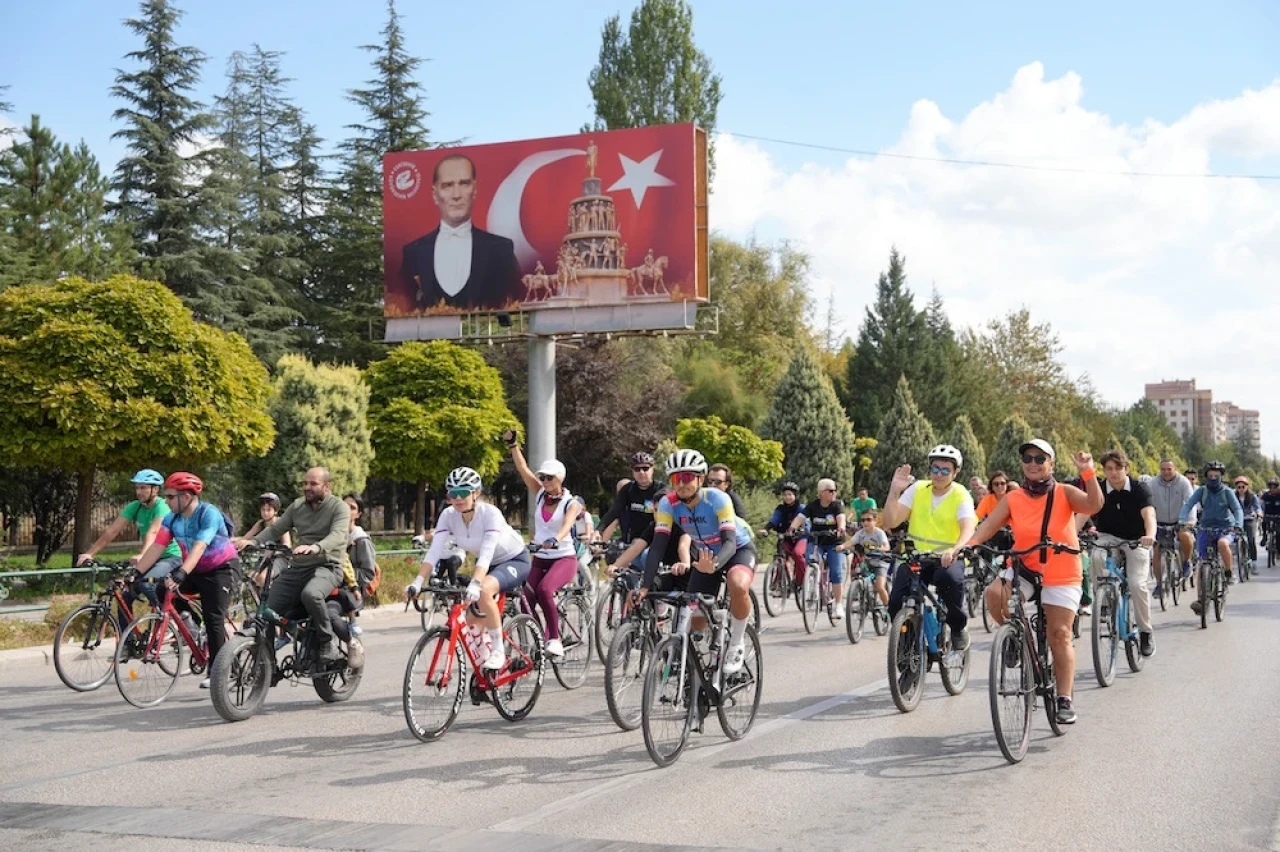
{"x": 651, "y": 270}
{"x": 539, "y": 284}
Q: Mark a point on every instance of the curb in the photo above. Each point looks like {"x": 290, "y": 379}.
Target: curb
{"x": 33, "y": 656}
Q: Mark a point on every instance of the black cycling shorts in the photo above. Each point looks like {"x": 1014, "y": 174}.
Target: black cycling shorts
{"x": 709, "y": 584}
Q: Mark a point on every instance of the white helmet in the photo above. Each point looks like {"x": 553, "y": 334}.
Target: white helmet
{"x": 686, "y": 461}
{"x": 462, "y": 477}
{"x": 946, "y": 451}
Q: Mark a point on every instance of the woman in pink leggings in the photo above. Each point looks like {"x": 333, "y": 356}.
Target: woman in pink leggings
{"x": 556, "y": 561}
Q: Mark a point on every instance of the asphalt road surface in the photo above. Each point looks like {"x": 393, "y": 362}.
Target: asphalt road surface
{"x": 1184, "y": 755}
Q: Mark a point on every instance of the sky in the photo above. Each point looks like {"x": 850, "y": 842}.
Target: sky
{"x": 1144, "y": 278}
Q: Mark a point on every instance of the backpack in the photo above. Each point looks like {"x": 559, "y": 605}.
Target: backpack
{"x": 228, "y": 526}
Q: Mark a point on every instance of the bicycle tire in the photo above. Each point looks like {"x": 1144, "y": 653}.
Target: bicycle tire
{"x": 240, "y": 678}
{"x": 608, "y": 619}
{"x": 577, "y": 635}
{"x": 147, "y": 679}
{"x": 624, "y": 668}
{"x": 1219, "y": 595}
{"x": 970, "y": 602}
{"x": 776, "y": 590}
{"x": 525, "y": 648}
{"x": 855, "y": 610}
{"x": 986, "y": 616}
{"x": 1104, "y": 640}
{"x": 1011, "y": 706}
{"x": 1051, "y": 706}
{"x": 739, "y": 690}
{"x": 418, "y": 694}
{"x": 907, "y": 659}
{"x": 1132, "y": 649}
{"x": 88, "y": 661}
{"x": 879, "y": 615}
{"x": 428, "y": 613}
{"x": 755, "y": 610}
{"x": 955, "y": 677}
{"x": 669, "y": 681}
{"x": 338, "y": 686}
{"x": 1202, "y": 588}
{"x": 809, "y": 606}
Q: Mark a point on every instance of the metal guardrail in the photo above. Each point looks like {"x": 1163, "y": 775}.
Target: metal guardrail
{"x": 91, "y": 570}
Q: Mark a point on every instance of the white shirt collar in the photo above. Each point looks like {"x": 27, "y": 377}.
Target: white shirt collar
{"x": 463, "y": 230}
{"x": 1128, "y": 485}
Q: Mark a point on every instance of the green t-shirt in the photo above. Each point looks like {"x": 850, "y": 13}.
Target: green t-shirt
{"x": 861, "y": 505}
{"x": 136, "y": 513}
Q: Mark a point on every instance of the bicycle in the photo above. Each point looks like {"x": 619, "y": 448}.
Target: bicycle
{"x": 246, "y": 667}
{"x": 1170, "y": 570}
{"x": 817, "y": 590}
{"x": 629, "y": 653}
{"x": 433, "y": 677}
{"x": 613, "y": 608}
{"x": 919, "y": 636}
{"x": 1211, "y": 584}
{"x": 576, "y": 632}
{"x": 860, "y": 599}
{"x": 84, "y": 645}
{"x": 1021, "y": 666}
{"x": 1271, "y": 529}
{"x": 1242, "y": 555}
{"x": 980, "y": 575}
{"x": 1112, "y": 616}
{"x": 779, "y": 582}
{"x": 683, "y": 681}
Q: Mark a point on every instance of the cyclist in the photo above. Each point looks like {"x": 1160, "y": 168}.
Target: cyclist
{"x": 209, "y": 560}
{"x": 147, "y": 513}
{"x": 268, "y": 510}
{"x": 719, "y": 476}
{"x": 780, "y": 521}
{"x": 1127, "y": 514}
{"x": 634, "y": 503}
{"x": 826, "y": 518}
{"x": 1270, "y": 510}
{"x": 360, "y": 551}
{"x": 997, "y": 487}
{"x": 555, "y": 562}
{"x": 725, "y": 548}
{"x": 502, "y": 560}
{"x": 322, "y": 523}
{"x": 1252, "y": 508}
{"x": 1044, "y": 508}
{"x": 871, "y": 537}
{"x": 1220, "y": 513}
{"x": 677, "y": 557}
{"x": 863, "y": 503}
{"x": 940, "y": 518}
{"x": 1169, "y": 491}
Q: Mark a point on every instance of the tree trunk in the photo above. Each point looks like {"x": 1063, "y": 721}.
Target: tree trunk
{"x": 420, "y": 509}
{"x": 84, "y": 513}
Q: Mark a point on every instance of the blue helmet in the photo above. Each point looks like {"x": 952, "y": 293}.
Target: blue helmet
{"x": 148, "y": 477}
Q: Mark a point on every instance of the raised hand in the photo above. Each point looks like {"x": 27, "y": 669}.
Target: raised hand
{"x": 1083, "y": 460}
{"x": 902, "y": 478}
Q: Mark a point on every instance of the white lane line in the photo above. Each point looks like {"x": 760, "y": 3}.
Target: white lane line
{"x": 525, "y": 822}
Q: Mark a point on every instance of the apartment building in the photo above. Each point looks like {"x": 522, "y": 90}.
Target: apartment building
{"x": 1187, "y": 408}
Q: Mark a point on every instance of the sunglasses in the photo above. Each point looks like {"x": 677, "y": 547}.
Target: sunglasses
{"x": 940, "y": 471}
{"x": 828, "y": 491}
{"x": 642, "y": 468}
{"x": 1000, "y": 484}
{"x": 170, "y": 496}
{"x": 1028, "y": 458}
{"x": 684, "y": 477}
{"x": 715, "y": 482}
{"x": 545, "y": 477}
{"x": 459, "y": 493}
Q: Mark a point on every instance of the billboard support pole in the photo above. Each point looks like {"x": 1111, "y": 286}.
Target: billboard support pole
{"x": 542, "y": 405}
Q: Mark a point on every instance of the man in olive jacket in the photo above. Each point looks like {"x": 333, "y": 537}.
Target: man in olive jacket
{"x": 320, "y": 522}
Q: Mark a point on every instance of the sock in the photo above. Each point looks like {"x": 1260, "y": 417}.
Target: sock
{"x": 495, "y": 637}
{"x": 737, "y": 627}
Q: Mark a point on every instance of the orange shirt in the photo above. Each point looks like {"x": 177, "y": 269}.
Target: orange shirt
{"x": 1026, "y": 517}
{"x": 986, "y": 505}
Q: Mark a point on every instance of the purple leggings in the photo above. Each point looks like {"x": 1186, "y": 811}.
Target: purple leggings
{"x": 545, "y": 579}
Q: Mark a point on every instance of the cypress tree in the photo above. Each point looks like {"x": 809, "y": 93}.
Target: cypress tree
{"x": 1014, "y": 432}
{"x": 806, "y": 418}
{"x": 975, "y": 458}
{"x": 905, "y": 437}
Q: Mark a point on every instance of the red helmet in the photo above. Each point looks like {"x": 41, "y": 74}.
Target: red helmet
{"x": 183, "y": 481}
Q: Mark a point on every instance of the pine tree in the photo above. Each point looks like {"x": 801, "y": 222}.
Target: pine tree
{"x": 975, "y": 458}
{"x": 806, "y": 418}
{"x": 937, "y": 388}
{"x": 1014, "y": 432}
{"x": 905, "y": 437}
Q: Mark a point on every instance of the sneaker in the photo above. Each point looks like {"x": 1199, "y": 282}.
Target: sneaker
{"x": 837, "y": 612}
{"x": 960, "y": 642}
{"x": 281, "y": 642}
{"x": 735, "y": 658}
{"x": 1066, "y": 711}
{"x": 330, "y": 652}
{"x": 555, "y": 648}
{"x": 204, "y": 684}
{"x": 355, "y": 655}
{"x": 1085, "y": 610}
{"x": 1146, "y": 644}
{"x": 1231, "y": 578}
{"x": 495, "y": 661}
{"x": 1158, "y": 591}
{"x": 1195, "y": 607}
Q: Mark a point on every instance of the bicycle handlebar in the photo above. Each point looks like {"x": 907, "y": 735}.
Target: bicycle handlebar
{"x": 1055, "y": 546}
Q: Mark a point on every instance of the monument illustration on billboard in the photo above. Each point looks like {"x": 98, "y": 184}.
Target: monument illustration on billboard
{"x": 597, "y": 232}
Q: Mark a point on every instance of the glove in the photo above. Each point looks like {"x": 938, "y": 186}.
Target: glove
{"x": 131, "y": 578}
{"x": 177, "y": 576}
{"x": 473, "y": 591}
{"x": 412, "y": 590}
{"x": 550, "y": 544}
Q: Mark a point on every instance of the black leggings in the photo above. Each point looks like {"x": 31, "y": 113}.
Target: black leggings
{"x": 214, "y": 588}
{"x": 950, "y": 585}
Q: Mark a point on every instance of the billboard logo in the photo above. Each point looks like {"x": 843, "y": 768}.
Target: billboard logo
{"x": 405, "y": 180}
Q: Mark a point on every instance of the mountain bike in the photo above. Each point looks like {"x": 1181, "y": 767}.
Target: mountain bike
{"x": 684, "y": 680}
{"x": 1211, "y": 583}
{"x": 434, "y": 684}
{"x": 779, "y": 582}
{"x": 860, "y": 599}
{"x": 613, "y": 607}
{"x": 1271, "y": 529}
{"x": 1113, "y": 616}
{"x": 247, "y": 667}
{"x": 84, "y": 645}
{"x": 1021, "y": 666}
{"x": 919, "y": 636}
{"x": 1242, "y": 560}
{"x": 816, "y": 593}
{"x": 981, "y": 573}
{"x": 1170, "y": 566}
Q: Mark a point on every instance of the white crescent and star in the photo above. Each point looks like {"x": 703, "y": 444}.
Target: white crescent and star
{"x": 640, "y": 176}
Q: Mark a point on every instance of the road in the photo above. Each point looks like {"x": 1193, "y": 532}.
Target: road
{"x": 1184, "y": 755}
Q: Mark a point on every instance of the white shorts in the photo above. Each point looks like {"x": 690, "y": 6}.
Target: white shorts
{"x": 1067, "y": 597}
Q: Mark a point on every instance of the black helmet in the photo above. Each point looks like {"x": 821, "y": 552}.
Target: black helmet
{"x": 639, "y": 459}
{"x": 790, "y": 486}
{"x": 1273, "y": 482}
{"x": 1215, "y": 465}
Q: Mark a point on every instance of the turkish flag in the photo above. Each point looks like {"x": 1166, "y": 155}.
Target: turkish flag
{"x": 605, "y": 203}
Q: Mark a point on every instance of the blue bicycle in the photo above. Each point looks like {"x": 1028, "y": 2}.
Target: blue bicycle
{"x": 1112, "y": 616}
{"x": 919, "y": 637}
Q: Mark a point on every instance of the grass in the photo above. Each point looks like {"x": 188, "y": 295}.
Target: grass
{"x": 20, "y": 633}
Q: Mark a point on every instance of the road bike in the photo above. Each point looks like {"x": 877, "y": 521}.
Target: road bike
{"x": 919, "y": 636}
{"x": 577, "y": 634}
{"x": 434, "y": 682}
{"x": 780, "y": 584}
{"x": 860, "y": 599}
{"x": 1113, "y": 621}
{"x": 84, "y": 645}
{"x": 628, "y": 656}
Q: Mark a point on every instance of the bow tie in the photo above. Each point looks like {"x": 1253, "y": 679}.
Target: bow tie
{"x": 463, "y": 230}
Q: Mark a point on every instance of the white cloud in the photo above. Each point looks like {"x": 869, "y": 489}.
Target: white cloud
{"x": 1144, "y": 278}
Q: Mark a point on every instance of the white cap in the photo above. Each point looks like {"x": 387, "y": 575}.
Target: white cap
{"x": 551, "y": 467}
{"x": 1039, "y": 444}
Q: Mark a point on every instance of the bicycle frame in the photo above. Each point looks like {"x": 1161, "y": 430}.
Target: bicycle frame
{"x": 919, "y": 596}
{"x": 441, "y": 661}
{"x": 1118, "y": 576}
{"x": 168, "y": 613}
{"x": 1033, "y": 628}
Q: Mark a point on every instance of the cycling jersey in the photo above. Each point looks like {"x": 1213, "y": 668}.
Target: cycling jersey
{"x": 1270, "y": 504}
{"x": 782, "y": 516}
{"x": 711, "y": 515}
{"x": 204, "y": 524}
{"x": 488, "y": 537}
{"x": 633, "y": 508}
{"x": 824, "y": 521}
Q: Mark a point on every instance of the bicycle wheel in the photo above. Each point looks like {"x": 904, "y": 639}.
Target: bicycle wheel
{"x": 1242, "y": 558}
{"x": 1202, "y": 588}
{"x": 986, "y": 616}
{"x": 1105, "y": 639}
{"x": 576, "y": 635}
{"x": 433, "y": 685}
{"x": 810, "y": 599}
{"x": 146, "y": 678}
{"x": 776, "y": 588}
{"x": 340, "y": 685}
{"x": 84, "y": 647}
{"x": 1012, "y": 696}
{"x": 1168, "y": 586}
{"x": 240, "y": 677}
{"x": 526, "y": 657}
{"x": 609, "y": 614}
{"x": 855, "y": 611}
{"x": 1163, "y": 583}
{"x": 954, "y": 668}
{"x": 667, "y": 701}
{"x": 624, "y": 668}
{"x": 1132, "y": 650}
{"x": 879, "y": 613}
{"x": 740, "y": 692}
{"x": 427, "y": 616}
{"x": 1218, "y": 591}
{"x": 906, "y": 660}
{"x": 971, "y": 596}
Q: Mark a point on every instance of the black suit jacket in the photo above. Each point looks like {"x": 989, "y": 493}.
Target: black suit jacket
{"x": 494, "y": 280}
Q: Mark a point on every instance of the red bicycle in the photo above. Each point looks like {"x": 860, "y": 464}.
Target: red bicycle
{"x": 147, "y": 666}
{"x": 433, "y": 678}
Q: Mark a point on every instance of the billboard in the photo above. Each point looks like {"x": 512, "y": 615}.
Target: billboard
{"x": 596, "y": 232}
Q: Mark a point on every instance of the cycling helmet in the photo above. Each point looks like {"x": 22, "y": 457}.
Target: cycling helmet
{"x": 790, "y": 486}
{"x": 183, "y": 481}
{"x": 686, "y": 461}
{"x": 463, "y": 477}
{"x": 1215, "y": 465}
{"x": 946, "y": 451}
{"x": 147, "y": 476}
{"x": 269, "y": 497}
{"x": 1273, "y": 482}
{"x": 642, "y": 459}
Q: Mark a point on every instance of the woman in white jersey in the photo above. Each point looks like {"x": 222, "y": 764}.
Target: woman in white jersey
{"x": 502, "y": 561}
{"x": 556, "y": 561}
